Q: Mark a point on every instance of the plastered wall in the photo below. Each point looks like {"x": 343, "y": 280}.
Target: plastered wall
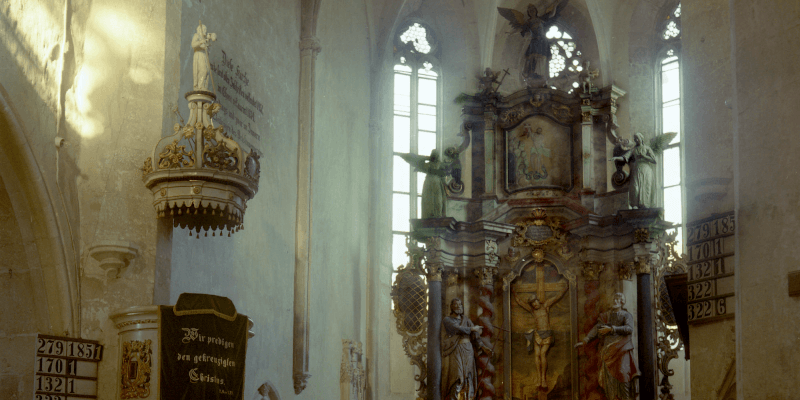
{"x": 706, "y": 75}
{"x": 765, "y": 69}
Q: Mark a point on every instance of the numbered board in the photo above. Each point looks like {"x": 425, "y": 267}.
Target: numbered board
{"x": 66, "y": 368}
{"x": 710, "y": 280}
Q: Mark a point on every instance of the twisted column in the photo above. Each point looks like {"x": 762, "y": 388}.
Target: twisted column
{"x": 486, "y": 371}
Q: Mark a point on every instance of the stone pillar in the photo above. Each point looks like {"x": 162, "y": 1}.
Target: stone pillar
{"x": 434, "y": 331}
{"x": 309, "y": 48}
{"x": 486, "y": 370}
{"x": 644, "y": 318}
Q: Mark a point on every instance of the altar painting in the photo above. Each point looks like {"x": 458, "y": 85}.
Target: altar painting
{"x": 538, "y": 154}
{"x": 540, "y": 334}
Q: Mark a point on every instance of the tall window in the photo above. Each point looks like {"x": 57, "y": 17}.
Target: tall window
{"x": 564, "y": 55}
{"x": 416, "y": 121}
{"x": 670, "y": 115}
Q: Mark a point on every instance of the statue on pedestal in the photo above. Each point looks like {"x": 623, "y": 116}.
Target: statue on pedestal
{"x": 642, "y": 160}
{"x": 434, "y": 194}
{"x": 459, "y": 374}
{"x": 200, "y": 64}
{"x": 617, "y": 366}
{"x": 538, "y": 53}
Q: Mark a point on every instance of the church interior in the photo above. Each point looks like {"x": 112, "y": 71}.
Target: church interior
{"x": 399, "y": 199}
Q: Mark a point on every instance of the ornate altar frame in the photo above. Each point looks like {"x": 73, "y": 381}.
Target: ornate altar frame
{"x": 538, "y": 257}
{"x": 563, "y": 111}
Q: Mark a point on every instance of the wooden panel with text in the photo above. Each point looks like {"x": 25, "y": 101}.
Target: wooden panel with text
{"x": 710, "y": 284}
{"x": 66, "y": 368}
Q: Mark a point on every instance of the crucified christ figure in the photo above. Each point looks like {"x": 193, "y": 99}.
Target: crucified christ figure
{"x": 540, "y": 338}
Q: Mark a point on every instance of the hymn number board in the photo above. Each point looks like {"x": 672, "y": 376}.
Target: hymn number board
{"x": 710, "y": 283}
{"x": 66, "y": 368}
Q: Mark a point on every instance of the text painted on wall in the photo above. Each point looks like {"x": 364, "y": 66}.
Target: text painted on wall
{"x": 241, "y": 108}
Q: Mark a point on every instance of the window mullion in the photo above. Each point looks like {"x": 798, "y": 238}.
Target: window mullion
{"x": 414, "y": 137}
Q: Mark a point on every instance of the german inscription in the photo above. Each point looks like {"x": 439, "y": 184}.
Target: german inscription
{"x": 241, "y": 108}
{"x": 710, "y": 283}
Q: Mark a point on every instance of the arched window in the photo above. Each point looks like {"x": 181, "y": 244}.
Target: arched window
{"x": 565, "y": 58}
{"x": 672, "y": 182}
{"x": 416, "y": 124}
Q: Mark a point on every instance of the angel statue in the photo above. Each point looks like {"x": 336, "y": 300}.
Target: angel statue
{"x": 642, "y": 160}
{"x": 538, "y": 53}
{"x": 434, "y": 194}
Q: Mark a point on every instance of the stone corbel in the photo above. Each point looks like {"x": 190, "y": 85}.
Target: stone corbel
{"x": 114, "y": 256}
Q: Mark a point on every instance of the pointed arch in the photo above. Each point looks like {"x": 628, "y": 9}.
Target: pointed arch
{"x": 53, "y": 275}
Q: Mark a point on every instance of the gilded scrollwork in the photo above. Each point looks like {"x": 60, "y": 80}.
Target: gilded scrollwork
{"x": 147, "y": 167}
{"x": 136, "y": 365}
{"x": 625, "y": 270}
{"x": 175, "y": 156}
{"x": 591, "y": 270}
{"x": 668, "y": 340}
{"x": 220, "y": 152}
{"x": 562, "y": 112}
{"x": 641, "y": 235}
{"x": 539, "y": 230}
{"x": 409, "y": 293}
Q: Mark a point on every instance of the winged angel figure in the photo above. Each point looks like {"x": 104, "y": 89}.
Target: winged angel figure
{"x": 434, "y": 194}
{"x": 642, "y": 160}
{"x": 538, "y": 53}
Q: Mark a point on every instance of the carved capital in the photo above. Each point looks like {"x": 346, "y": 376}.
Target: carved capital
{"x": 434, "y": 272}
{"x": 310, "y": 43}
{"x": 641, "y": 235}
{"x": 625, "y": 270}
{"x": 486, "y": 275}
{"x": 490, "y": 248}
{"x": 451, "y": 278}
{"x": 591, "y": 270}
{"x": 300, "y": 381}
{"x": 642, "y": 265}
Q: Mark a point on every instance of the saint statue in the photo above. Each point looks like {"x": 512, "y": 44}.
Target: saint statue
{"x": 540, "y": 337}
{"x": 459, "y": 374}
{"x": 538, "y": 53}
{"x": 434, "y": 194}
{"x": 617, "y": 366}
{"x": 642, "y": 161}
{"x": 200, "y": 65}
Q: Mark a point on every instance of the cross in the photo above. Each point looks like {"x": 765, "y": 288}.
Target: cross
{"x": 541, "y": 287}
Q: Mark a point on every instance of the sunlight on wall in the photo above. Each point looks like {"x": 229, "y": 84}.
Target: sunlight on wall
{"x": 32, "y": 37}
{"x": 116, "y": 46}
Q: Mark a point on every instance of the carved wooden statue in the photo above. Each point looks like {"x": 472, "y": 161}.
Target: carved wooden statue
{"x": 617, "y": 366}
{"x": 538, "y": 53}
{"x": 459, "y": 375}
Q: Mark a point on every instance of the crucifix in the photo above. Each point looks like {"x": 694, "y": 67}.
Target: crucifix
{"x": 540, "y": 337}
